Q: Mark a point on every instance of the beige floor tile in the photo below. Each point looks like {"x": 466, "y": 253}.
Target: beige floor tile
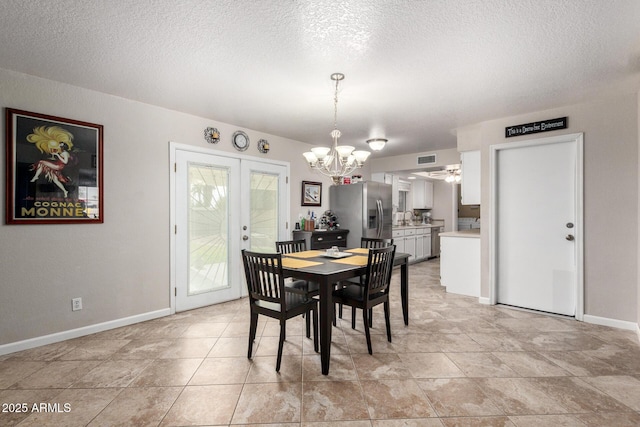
{"x": 580, "y": 363}
{"x": 167, "y": 372}
{"x": 577, "y": 396}
{"x": 221, "y": 370}
{"x": 204, "y": 405}
{"x": 341, "y": 368}
{"x": 481, "y": 365}
{"x": 12, "y": 371}
{"x": 478, "y": 422}
{"x": 18, "y": 404}
{"x": 396, "y": 399}
{"x": 380, "y": 366}
{"x": 263, "y": 370}
{"x": 189, "y": 348}
{"x": 94, "y": 350}
{"x": 430, "y": 365}
{"x": 530, "y": 364}
{"x": 75, "y": 407}
{"x": 270, "y": 402}
{"x": 144, "y": 349}
{"x": 233, "y": 347}
{"x": 548, "y": 420}
{"x": 269, "y": 346}
{"x": 205, "y": 329}
{"x": 357, "y": 423}
{"x": 458, "y": 397}
{"x": 57, "y": 375}
{"x": 624, "y": 388}
{"x": 628, "y": 419}
{"x": 112, "y": 373}
{"x": 417, "y": 422}
{"x": 138, "y": 407}
{"x": 333, "y": 400}
{"x": 520, "y": 396}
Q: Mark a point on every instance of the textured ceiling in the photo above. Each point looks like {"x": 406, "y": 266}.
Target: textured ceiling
{"x": 415, "y": 70}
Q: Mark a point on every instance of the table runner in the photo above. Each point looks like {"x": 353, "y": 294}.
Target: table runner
{"x": 305, "y": 254}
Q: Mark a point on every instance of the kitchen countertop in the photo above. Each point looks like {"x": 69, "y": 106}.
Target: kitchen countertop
{"x": 474, "y": 233}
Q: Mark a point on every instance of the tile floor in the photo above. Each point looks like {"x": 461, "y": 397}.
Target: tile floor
{"x": 458, "y": 363}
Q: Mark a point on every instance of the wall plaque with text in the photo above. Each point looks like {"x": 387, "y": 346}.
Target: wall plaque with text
{"x": 536, "y": 127}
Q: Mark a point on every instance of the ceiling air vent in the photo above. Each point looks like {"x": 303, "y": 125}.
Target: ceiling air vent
{"x": 427, "y": 160}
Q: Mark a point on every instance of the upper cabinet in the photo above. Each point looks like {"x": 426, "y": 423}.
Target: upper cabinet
{"x": 422, "y": 194}
{"x": 388, "y": 178}
{"x": 470, "y": 177}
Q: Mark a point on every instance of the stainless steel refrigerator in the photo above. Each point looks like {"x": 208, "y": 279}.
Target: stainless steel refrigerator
{"x": 363, "y": 208}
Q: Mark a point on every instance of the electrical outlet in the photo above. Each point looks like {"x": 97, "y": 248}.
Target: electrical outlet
{"x": 76, "y": 304}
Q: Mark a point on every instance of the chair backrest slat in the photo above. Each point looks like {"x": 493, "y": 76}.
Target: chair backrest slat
{"x": 379, "y": 269}
{"x": 291, "y": 246}
{"x": 265, "y": 280}
{"x": 371, "y": 243}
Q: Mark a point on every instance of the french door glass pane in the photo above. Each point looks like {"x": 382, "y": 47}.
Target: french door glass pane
{"x": 208, "y": 231}
{"x": 264, "y": 212}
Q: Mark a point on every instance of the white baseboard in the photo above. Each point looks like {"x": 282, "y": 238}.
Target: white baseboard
{"x": 614, "y": 323}
{"x": 484, "y": 300}
{"x": 80, "y": 332}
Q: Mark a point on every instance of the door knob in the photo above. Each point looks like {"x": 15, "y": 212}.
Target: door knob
{"x": 245, "y": 237}
{"x": 570, "y": 237}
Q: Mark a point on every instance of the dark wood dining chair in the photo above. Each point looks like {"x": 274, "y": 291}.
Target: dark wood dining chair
{"x": 375, "y": 290}
{"x": 369, "y": 243}
{"x": 268, "y": 296}
{"x": 302, "y": 287}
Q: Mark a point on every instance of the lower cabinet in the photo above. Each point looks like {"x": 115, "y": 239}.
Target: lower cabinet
{"x": 416, "y": 241}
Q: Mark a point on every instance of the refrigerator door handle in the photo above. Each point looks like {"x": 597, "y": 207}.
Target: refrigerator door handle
{"x": 380, "y": 217}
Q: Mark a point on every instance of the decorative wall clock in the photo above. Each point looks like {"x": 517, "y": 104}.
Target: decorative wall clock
{"x": 240, "y": 140}
{"x": 211, "y": 135}
{"x": 263, "y": 146}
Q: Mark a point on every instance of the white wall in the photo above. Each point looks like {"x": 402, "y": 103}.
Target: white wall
{"x": 610, "y": 197}
{"x": 119, "y": 268}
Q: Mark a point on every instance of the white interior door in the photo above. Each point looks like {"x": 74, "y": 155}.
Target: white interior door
{"x": 538, "y": 223}
{"x": 223, "y": 204}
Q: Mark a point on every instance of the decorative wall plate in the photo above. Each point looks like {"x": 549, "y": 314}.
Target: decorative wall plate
{"x": 263, "y": 146}
{"x": 240, "y": 140}
{"x": 211, "y": 135}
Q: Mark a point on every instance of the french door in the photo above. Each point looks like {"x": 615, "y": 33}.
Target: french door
{"x": 222, "y": 204}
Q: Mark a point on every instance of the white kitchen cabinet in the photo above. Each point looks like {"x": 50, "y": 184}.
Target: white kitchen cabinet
{"x": 422, "y": 194}
{"x": 426, "y": 244}
{"x": 410, "y": 247}
{"x": 420, "y": 245}
{"x": 470, "y": 174}
{"x": 398, "y": 240}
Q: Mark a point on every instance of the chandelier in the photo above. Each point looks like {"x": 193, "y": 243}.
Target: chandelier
{"x": 336, "y": 161}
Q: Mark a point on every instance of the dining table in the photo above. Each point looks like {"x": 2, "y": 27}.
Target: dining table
{"x": 327, "y": 270}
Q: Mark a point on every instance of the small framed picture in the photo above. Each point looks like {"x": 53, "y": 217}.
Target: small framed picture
{"x": 54, "y": 170}
{"x": 311, "y": 193}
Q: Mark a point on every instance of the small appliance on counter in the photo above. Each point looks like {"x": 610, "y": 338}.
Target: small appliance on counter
{"x": 426, "y": 218}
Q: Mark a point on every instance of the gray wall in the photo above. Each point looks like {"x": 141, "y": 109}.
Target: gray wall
{"x": 610, "y": 130}
{"x": 119, "y": 268}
